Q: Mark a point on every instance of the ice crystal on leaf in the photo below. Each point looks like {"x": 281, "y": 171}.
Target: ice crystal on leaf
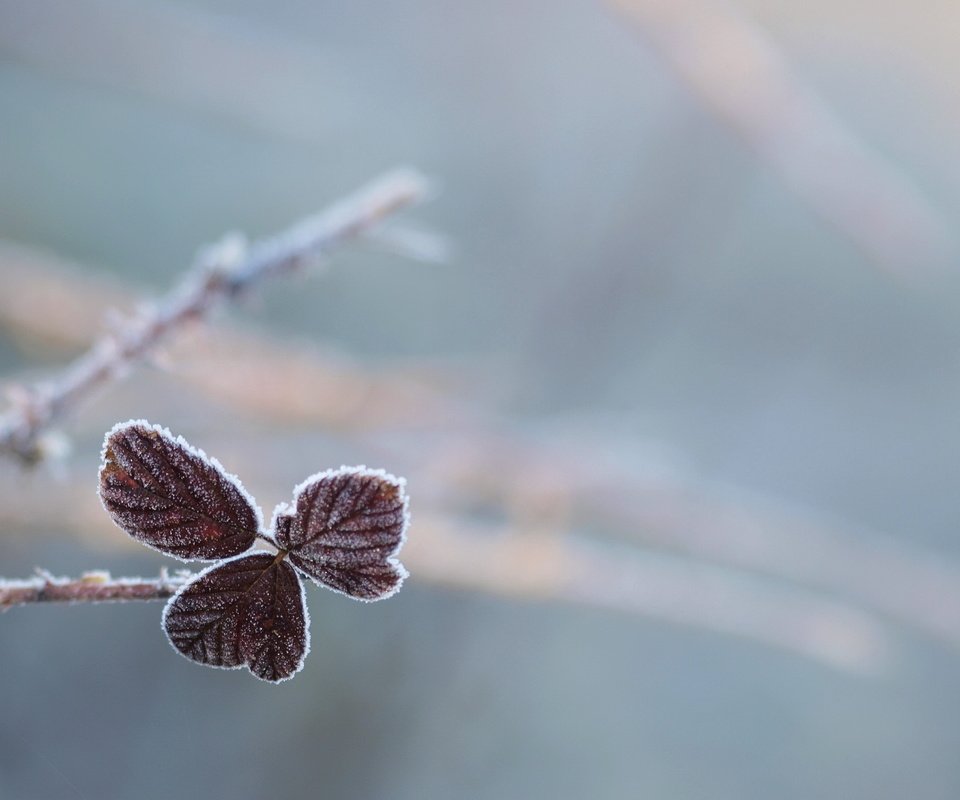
{"x": 343, "y": 531}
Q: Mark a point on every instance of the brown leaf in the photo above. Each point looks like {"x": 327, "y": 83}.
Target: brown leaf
{"x": 343, "y": 530}
{"x": 171, "y": 497}
{"x": 247, "y": 611}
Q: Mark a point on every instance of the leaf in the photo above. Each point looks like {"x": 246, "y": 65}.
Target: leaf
{"x": 343, "y": 530}
{"x": 171, "y": 497}
{"x": 247, "y": 611}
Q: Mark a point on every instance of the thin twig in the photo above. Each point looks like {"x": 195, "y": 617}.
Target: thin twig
{"x": 223, "y": 273}
{"x": 91, "y": 587}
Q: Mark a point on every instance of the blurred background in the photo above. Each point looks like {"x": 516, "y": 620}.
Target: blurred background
{"x": 678, "y": 412}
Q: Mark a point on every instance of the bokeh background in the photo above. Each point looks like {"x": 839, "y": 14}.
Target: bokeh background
{"x": 678, "y": 410}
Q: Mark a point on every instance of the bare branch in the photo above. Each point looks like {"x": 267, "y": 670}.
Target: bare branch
{"x": 223, "y": 273}
{"x": 740, "y": 75}
{"x": 91, "y": 587}
{"x": 60, "y": 306}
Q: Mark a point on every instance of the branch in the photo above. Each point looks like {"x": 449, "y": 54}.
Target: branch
{"x": 91, "y": 587}
{"x": 582, "y": 486}
{"x": 222, "y": 273}
{"x": 51, "y": 303}
{"x": 740, "y": 74}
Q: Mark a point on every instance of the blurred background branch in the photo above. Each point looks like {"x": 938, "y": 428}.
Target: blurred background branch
{"x": 739, "y": 73}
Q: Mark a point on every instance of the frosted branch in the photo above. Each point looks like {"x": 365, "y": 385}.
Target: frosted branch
{"x": 222, "y": 273}
{"x": 91, "y": 587}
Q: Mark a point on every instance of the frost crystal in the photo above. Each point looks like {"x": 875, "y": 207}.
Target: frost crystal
{"x": 343, "y": 531}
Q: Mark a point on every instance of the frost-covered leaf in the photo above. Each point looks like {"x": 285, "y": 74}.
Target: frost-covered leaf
{"x": 171, "y": 497}
{"x": 247, "y": 611}
{"x": 343, "y": 530}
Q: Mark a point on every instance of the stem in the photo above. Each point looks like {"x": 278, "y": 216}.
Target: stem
{"x": 91, "y": 587}
{"x": 222, "y": 274}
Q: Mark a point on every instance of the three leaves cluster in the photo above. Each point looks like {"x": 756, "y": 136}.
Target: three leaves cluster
{"x": 342, "y": 530}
